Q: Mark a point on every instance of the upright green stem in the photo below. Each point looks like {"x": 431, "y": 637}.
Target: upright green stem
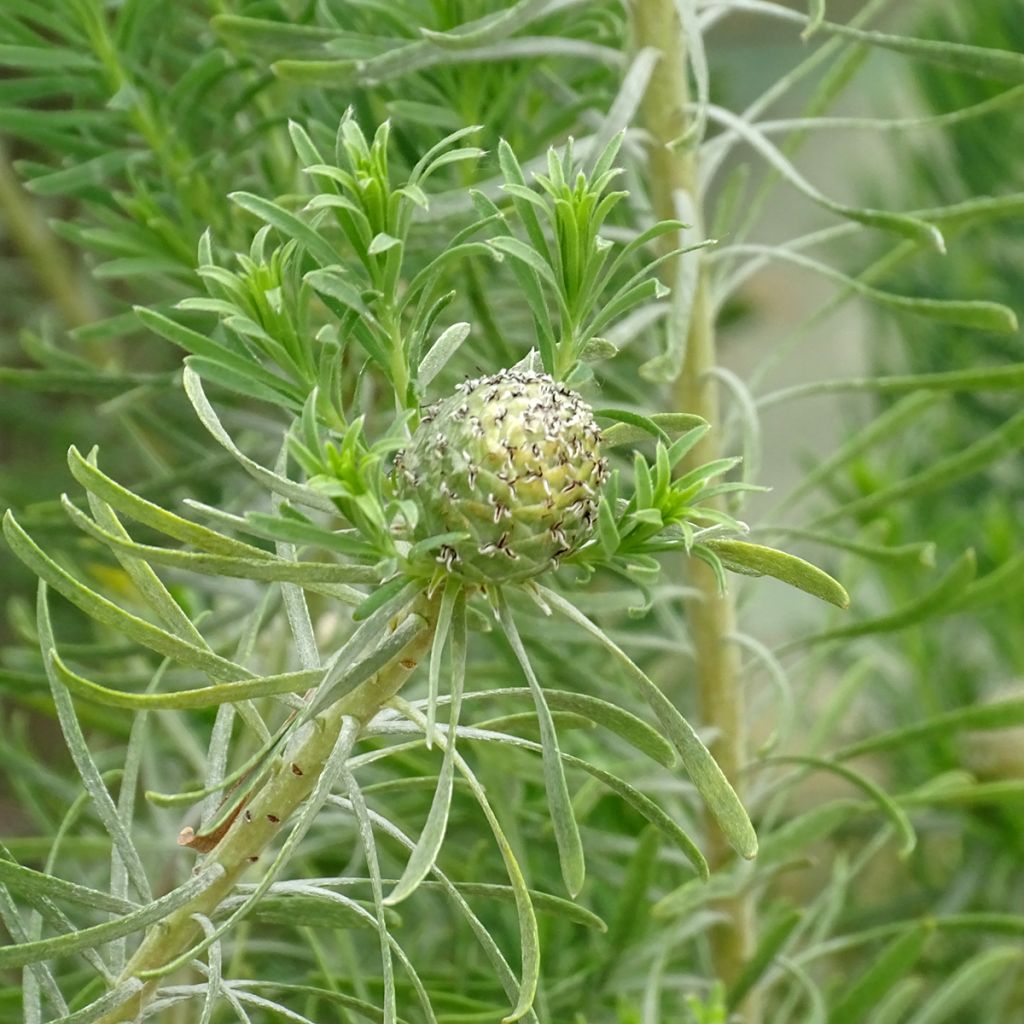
{"x": 55, "y": 270}
{"x": 710, "y": 614}
{"x": 291, "y": 780}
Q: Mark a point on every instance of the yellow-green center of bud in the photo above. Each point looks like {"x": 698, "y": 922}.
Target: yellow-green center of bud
{"x": 513, "y": 463}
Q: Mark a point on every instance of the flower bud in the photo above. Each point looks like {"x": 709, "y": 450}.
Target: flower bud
{"x": 513, "y": 462}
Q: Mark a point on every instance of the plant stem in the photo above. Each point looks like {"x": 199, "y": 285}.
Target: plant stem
{"x": 292, "y": 778}
{"x": 710, "y": 614}
{"x": 53, "y": 267}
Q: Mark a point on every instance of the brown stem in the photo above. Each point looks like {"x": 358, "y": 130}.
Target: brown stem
{"x": 710, "y": 614}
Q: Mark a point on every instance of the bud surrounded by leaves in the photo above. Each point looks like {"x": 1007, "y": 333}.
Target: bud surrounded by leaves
{"x": 510, "y": 463}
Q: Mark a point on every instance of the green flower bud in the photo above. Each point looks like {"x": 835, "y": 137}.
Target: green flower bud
{"x": 513, "y": 462}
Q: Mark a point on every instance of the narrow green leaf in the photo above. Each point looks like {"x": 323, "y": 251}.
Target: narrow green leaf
{"x": 84, "y": 382}
{"x": 1003, "y": 714}
{"x": 644, "y": 426}
{"x": 989, "y": 378}
{"x": 525, "y": 724}
{"x": 103, "y": 1006}
{"x": 980, "y": 315}
{"x": 294, "y": 528}
{"x": 424, "y": 855}
{"x": 702, "y": 768}
{"x": 431, "y": 114}
{"x": 888, "y": 968}
{"x": 213, "y": 351}
{"x": 483, "y": 936}
{"x": 441, "y": 632}
{"x": 273, "y": 36}
{"x": 894, "y": 1007}
{"x": 1005, "y": 791}
{"x": 202, "y": 697}
{"x": 989, "y": 62}
{"x": 902, "y": 224}
{"x": 312, "y": 910}
{"x": 296, "y": 492}
{"x": 216, "y": 372}
{"x": 305, "y": 148}
{"x": 490, "y": 27}
{"x": 441, "y": 352}
{"x": 45, "y": 58}
{"x": 288, "y": 224}
{"x": 325, "y": 996}
{"x": 804, "y": 832}
{"x": 382, "y": 242}
{"x": 607, "y": 139}
{"x": 896, "y": 815}
{"x": 333, "y": 282}
{"x": 774, "y": 938}
{"x": 685, "y": 268}
{"x": 563, "y": 819}
{"x": 142, "y": 575}
{"x": 942, "y": 597}
{"x": 642, "y": 804}
{"x": 380, "y": 596}
{"x": 86, "y": 175}
{"x": 544, "y": 902}
{"x": 642, "y": 483}
{"x": 268, "y": 567}
{"x": 353, "y": 681}
{"x": 756, "y": 560}
{"x": 88, "y": 474}
{"x": 815, "y": 17}
{"x": 972, "y": 977}
{"x": 884, "y": 427}
{"x": 995, "y": 445}
{"x": 633, "y": 730}
{"x": 920, "y": 554}
{"x": 36, "y": 883}
{"x": 99, "y": 608}
{"x": 1004, "y": 65}
{"x": 98, "y": 935}
{"x": 519, "y": 250}
{"x": 698, "y": 66}
{"x": 1001, "y": 584}
{"x": 528, "y": 933}
{"x": 380, "y": 915}
{"x": 633, "y": 903}
{"x": 628, "y": 726}
{"x": 629, "y": 432}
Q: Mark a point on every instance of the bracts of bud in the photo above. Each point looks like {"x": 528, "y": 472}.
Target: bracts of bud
{"x": 513, "y": 463}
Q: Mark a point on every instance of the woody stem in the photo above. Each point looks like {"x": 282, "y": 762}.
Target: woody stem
{"x": 710, "y": 614}
{"x": 290, "y": 781}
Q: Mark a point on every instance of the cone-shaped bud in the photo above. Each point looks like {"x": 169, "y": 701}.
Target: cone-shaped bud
{"x": 513, "y": 462}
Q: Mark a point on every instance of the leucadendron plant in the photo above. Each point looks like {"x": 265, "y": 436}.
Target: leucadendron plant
{"x": 397, "y": 624}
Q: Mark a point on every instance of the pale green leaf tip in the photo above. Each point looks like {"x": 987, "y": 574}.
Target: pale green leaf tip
{"x": 747, "y": 847}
